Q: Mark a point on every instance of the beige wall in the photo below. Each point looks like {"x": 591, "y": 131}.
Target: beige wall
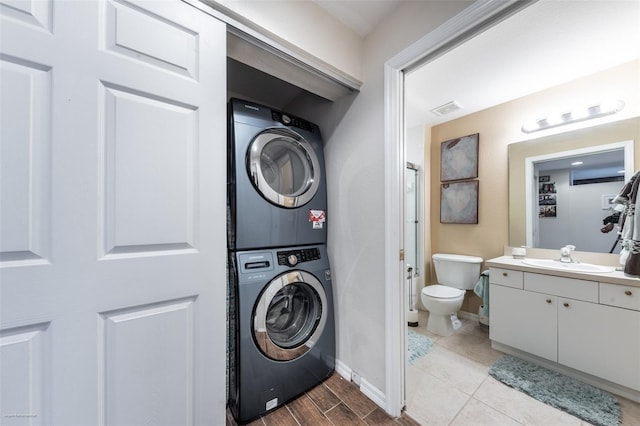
{"x": 498, "y": 127}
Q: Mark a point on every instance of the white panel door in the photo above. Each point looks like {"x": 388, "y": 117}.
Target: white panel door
{"x": 112, "y": 213}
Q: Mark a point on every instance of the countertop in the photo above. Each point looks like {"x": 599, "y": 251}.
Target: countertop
{"x": 616, "y": 277}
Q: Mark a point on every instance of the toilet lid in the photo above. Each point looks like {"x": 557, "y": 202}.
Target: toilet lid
{"x": 442, "y": 291}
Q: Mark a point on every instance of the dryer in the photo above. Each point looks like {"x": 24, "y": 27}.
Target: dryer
{"x": 282, "y": 332}
{"x": 277, "y": 194}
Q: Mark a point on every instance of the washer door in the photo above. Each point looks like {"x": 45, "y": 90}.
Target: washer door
{"x": 289, "y": 316}
{"x": 283, "y": 168}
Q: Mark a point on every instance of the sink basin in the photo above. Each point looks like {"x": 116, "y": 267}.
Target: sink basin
{"x": 571, "y": 267}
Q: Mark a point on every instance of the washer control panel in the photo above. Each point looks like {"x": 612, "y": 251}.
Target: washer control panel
{"x": 293, "y": 257}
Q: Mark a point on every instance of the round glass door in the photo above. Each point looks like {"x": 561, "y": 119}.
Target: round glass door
{"x": 283, "y": 168}
{"x": 289, "y": 316}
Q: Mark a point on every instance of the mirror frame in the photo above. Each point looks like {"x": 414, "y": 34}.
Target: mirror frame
{"x": 595, "y": 136}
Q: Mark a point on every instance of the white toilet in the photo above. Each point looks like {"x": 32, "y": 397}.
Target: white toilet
{"x": 455, "y": 273}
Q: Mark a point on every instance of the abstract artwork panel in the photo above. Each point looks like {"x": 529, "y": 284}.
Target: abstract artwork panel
{"x": 459, "y": 158}
{"x": 459, "y": 202}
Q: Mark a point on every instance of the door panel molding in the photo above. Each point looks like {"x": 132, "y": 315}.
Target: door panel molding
{"x": 25, "y": 169}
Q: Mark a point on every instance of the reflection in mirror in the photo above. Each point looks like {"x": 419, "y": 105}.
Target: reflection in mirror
{"x": 568, "y": 193}
{"x": 553, "y": 203}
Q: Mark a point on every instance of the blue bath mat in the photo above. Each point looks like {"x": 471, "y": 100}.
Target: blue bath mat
{"x": 419, "y": 345}
{"x": 564, "y": 393}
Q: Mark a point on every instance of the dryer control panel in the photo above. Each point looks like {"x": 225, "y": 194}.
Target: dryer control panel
{"x": 293, "y": 257}
{"x": 289, "y": 120}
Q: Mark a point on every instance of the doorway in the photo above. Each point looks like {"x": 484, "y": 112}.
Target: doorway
{"x": 475, "y": 19}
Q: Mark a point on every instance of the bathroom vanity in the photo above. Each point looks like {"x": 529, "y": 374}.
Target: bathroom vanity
{"x": 585, "y": 325}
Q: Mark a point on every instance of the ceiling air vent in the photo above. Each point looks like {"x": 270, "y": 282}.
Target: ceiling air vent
{"x": 447, "y": 108}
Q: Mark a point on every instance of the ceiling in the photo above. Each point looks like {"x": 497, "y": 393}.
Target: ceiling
{"x": 548, "y": 43}
{"x": 362, "y": 16}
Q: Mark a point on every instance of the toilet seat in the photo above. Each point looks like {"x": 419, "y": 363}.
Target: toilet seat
{"x": 440, "y": 291}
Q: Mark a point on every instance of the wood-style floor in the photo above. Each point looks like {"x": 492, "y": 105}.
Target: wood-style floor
{"x": 333, "y": 402}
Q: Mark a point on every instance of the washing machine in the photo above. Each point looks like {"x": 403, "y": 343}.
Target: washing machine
{"x": 276, "y": 193}
{"x": 282, "y": 330}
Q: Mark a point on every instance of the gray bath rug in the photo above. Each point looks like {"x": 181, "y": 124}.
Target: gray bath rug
{"x": 419, "y": 345}
{"x": 564, "y": 393}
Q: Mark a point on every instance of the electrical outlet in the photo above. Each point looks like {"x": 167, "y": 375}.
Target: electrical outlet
{"x": 355, "y": 378}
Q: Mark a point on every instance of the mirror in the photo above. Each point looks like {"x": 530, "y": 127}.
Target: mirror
{"x": 577, "y": 215}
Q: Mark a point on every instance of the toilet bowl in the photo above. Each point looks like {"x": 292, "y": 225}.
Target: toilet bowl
{"x": 456, "y": 274}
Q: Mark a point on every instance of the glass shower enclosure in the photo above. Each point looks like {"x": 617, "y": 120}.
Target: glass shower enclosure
{"x": 413, "y": 234}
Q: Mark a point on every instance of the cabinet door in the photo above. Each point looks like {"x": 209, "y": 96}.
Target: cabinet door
{"x": 524, "y": 320}
{"x": 600, "y": 340}
{"x": 112, "y": 171}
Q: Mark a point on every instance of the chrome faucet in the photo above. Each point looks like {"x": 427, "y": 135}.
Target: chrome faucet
{"x": 565, "y": 254}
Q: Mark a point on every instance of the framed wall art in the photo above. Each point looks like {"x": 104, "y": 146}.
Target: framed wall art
{"x": 459, "y": 202}
{"x": 459, "y": 158}
{"x": 547, "y": 197}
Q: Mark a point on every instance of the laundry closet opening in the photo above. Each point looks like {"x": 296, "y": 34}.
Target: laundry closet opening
{"x": 281, "y": 316}
{"x": 264, "y": 74}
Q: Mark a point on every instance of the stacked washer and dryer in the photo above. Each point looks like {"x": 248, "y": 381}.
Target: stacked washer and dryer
{"x": 281, "y": 317}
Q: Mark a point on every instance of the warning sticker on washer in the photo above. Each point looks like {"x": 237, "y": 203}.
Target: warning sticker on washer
{"x": 317, "y": 218}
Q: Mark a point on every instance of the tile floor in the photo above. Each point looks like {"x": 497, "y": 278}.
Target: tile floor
{"x": 449, "y": 386}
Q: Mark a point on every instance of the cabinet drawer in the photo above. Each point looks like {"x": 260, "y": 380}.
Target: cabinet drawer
{"x": 560, "y": 286}
{"x": 620, "y": 296}
{"x": 506, "y": 277}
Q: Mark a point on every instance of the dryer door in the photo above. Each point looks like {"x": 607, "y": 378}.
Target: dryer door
{"x": 283, "y": 167}
{"x": 289, "y": 316}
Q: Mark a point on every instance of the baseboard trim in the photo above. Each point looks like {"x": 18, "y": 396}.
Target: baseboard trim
{"x": 369, "y": 390}
{"x": 465, "y": 314}
{"x": 343, "y": 369}
{"x": 373, "y": 393}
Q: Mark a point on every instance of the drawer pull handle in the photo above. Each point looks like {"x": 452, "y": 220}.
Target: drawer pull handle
{"x": 504, "y": 274}
{"x": 565, "y": 304}
{"x": 548, "y": 300}
{"x": 628, "y": 292}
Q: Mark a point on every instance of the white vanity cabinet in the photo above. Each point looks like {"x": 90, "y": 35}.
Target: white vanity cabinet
{"x": 586, "y": 325}
{"x": 600, "y": 340}
{"x": 524, "y": 320}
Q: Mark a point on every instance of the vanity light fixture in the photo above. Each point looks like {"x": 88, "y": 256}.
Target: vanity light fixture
{"x": 577, "y": 163}
{"x": 581, "y": 114}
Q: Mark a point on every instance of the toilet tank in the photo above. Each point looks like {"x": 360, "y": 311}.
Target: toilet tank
{"x": 457, "y": 270}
